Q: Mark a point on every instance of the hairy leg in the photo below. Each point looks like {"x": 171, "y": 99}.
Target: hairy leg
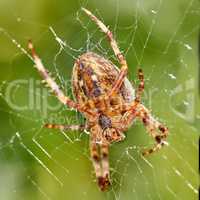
{"x": 104, "y": 181}
{"x": 158, "y": 131}
{"x": 124, "y": 68}
{"x": 140, "y": 88}
{"x": 131, "y": 110}
{"x": 65, "y": 127}
{"x": 99, "y": 154}
{"x": 53, "y": 85}
{"x": 94, "y": 151}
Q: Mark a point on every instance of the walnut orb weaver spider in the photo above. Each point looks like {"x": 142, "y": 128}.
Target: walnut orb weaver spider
{"x": 107, "y": 100}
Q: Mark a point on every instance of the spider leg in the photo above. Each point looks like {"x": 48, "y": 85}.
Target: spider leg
{"x": 158, "y": 131}
{"x": 53, "y": 85}
{"x": 136, "y": 109}
{"x": 99, "y": 153}
{"x": 65, "y": 127}
{"x": 155, "y": 128}
{"x": 124, "y": 68}
{"x": 104, "y": 181}
{"x": 128, "y": 117}
{"x": 140, "y": 88}
{"x": 94, "y": 151}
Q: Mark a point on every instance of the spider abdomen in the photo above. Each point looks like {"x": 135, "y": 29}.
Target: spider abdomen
{"x": 93, "y": 76}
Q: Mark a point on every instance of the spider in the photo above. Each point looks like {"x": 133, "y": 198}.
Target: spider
{"x": 107, "y": 100}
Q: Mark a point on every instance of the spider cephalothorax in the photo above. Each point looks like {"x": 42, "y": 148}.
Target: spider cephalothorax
{"x": 107, "y": 100}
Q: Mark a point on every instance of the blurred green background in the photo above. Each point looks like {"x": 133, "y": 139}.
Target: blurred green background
{"x": 160, "y": 36}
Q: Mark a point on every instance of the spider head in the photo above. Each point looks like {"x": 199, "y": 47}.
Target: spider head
{"x": 112, "y": 134}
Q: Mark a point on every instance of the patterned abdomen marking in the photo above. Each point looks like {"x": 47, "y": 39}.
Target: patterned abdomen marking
{"x": 94, "y": 76}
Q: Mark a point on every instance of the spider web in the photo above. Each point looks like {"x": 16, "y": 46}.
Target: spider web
{"x": 159, "y": 36}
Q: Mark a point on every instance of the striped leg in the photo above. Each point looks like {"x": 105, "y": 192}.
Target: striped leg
{"x": 53, "y": 85}
{"x": 65, "y": 127}
{"x": 94, "y": 151}
{"x": 104, "y": 180}
{"x": 131, "y": 111}
{"x": 124, "y": 68}
{"x": 99, "y": 154}
{"x": 140, "y": 88}
{"x": 155, "y": 128}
